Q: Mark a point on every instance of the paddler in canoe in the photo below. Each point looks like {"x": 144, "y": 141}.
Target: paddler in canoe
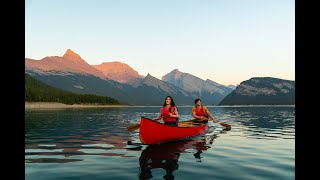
{"x": 168, "y": 112}
{"x": 201, "y": 113}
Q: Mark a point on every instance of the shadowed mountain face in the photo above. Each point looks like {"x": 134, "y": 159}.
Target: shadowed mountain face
{"x": 119, "y": 72}
{"x": 262, "y": 90}
{"x": 209, "y": 91}
{"x": 154, "y": 91}
{"x": 83, "y": 84}
{"x": 36, "y": 91}
{"x": 148, "y": 91}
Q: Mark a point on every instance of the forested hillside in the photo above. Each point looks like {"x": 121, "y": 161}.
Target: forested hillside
{"x": 36, "y": 91}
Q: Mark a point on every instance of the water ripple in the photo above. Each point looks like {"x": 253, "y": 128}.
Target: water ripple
{"x": 95, "y": 144}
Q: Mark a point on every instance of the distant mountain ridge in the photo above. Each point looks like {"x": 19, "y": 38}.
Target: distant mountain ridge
{"x": 209, "y": 91}
{"x": 185, "y": 81}
{"x": 69, "y": 62}
{"x": 153, "y": 92}
{"x": 262, "y": 90}
{"x": 120, "y": 81}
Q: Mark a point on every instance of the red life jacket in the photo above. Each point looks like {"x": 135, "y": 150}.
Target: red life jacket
{"x": 199, "y": 112}
{"x": 166, "y": 112}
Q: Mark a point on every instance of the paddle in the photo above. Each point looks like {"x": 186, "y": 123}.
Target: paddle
{"x": 221, "y": 123}
{"x": 224, "y": 124}
{"x": 188, "y": 124}
{"x": 133, "y": 127}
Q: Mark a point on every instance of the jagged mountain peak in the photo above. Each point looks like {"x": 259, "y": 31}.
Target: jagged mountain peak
{"x": 69, "y": 62}
{"x": 173, "y": 74}
{"x": 151, "y": 80}
{"x": 183, "y": 80}
{"x": 207, "y": 89}
{"x": 149, "y": 77}
{"x": 71, "y": 55}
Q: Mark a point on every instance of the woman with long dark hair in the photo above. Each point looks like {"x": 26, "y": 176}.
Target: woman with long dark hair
{"x": 169, "y": 112}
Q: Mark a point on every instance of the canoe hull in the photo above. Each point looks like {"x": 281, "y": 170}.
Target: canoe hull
{"x": 153, "y": 132}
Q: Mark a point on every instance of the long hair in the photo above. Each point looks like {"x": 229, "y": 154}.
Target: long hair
{"x": 172, "y": 102}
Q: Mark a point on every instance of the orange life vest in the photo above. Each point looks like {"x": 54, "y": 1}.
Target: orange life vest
{"x": 166, "y": 112}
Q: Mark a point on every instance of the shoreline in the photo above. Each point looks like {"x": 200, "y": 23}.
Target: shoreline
{"x": 55, "y": 105}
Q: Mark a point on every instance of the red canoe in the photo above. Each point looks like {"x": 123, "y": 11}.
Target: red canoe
{"x": 153, "y": 132}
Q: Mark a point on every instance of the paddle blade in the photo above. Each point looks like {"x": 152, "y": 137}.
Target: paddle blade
{"x": 228, "y": 126}
{"x": 133, "y": 127}
{"x": 225, "y": 124}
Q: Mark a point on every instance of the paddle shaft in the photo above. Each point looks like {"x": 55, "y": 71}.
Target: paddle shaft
{"x": 221, "y": 123}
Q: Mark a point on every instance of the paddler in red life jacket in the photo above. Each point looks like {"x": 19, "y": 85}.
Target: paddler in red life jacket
{"x": 201, "y": 113}
{"x": 169, "y": 112}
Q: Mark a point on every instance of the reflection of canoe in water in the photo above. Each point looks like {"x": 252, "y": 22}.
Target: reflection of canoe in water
{"x": 153, "y": 132}
{"x": 166, "y": 156}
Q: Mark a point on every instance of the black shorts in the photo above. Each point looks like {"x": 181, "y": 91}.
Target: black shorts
{"x": 171, "y": 123}
{"x": 203, "y": 122}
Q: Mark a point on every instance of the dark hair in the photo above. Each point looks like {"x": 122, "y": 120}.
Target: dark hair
{"x": 172, "y": 102}
{"x": 195, "y": 101}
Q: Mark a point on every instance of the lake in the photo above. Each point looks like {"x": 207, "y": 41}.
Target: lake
{"x": 94, "y": 143}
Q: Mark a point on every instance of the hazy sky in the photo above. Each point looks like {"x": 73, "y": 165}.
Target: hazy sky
{"x": 227, "y": 41}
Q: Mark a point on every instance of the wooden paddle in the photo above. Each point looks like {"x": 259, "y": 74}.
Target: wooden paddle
{"x": 221, "y": 123}
{"x": 224, "y": 124}
{"x": 188, "y": 124}
{"x": 133, "y": 127}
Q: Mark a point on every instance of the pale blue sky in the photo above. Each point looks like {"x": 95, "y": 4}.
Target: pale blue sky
{"x": 227, "y": 41}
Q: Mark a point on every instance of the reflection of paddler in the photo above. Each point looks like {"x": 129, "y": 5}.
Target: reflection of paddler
{"x": 165, "y": 156}
{"x": 201, "y": 145}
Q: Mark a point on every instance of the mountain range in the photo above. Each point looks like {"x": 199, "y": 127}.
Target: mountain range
{"x": 120, "y": 81}
{"x": 207, "y": 90}
{"x": 268, "y": 90}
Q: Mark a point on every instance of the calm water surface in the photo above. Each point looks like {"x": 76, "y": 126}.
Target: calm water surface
{"x": 95, "y": 144}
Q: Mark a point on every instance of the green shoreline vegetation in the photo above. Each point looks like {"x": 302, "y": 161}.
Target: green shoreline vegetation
{"x": 36, "y": 91}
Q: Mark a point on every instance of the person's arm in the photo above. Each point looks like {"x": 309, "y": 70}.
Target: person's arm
{"x": 210, "y": 115}
{"x": 193, "y": 113}
{"x": 176, "y": 114}
{"x": 159, "y": 117}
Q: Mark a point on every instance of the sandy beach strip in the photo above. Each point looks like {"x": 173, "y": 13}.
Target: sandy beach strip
{"x": 54, "y": 105}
